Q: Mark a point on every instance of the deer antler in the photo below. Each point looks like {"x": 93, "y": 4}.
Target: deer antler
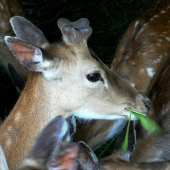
{"x": 75, "y": 32}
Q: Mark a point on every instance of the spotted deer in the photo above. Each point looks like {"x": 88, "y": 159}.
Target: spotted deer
{"x": 141, "y": 59}
{"x": 65, "y": 80}
{"x": 60, "y": 153}
{"x": 8, "y": 9}
{"x": 151, "y": 151}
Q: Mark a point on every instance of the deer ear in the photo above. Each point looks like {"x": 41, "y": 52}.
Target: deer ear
{"x": 87, "y": 158}
{"x": 27, "y": 31}
{"x": 66, "y": 159}
{"x": 47, "y": 145}
{"x": 28, "y": 55}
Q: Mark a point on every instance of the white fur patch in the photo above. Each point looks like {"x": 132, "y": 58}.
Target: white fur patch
{"x": 1, "y": 6}
{"x": 8, "y": 142}
{"x": 64, "y": 130}
{"x": 89, "y": 114}
{"x": 17, "y": 117}
{"x": 132, "y": 84}
{"x": 167, "y": 38}
{"x": 150, "y": 72}
{"x": 29, "y": 162}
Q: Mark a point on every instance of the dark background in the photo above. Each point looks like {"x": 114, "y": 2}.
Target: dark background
{"x": 108, "y": 19}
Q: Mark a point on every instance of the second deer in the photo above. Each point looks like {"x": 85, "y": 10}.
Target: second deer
{"x": 142, "y": 59}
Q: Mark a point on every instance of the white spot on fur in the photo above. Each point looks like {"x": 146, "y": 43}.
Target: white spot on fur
{"x": 167, "y": 38}
{"x": 163, "y": 11}
{"x": 132, "y": 84}
{"x": 158, "y": 44}
{"x": 8, "y": 142}
{"x": 45, "y": 45}
{"x": 144, "y": 25}
{"x": 157, "y": 61}
{"x": 155, "y": 16}
{"x": 1, "y": 6}
{"x": 141, "y": 71}
{"x": 150, "y": 72}
{"x": 17, "y": 117}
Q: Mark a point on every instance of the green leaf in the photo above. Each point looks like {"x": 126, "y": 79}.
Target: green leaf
{"x": 125, "y": 142}
{"x": 147, "y": 123}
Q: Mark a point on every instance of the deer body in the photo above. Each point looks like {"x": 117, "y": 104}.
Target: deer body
{"x": 142, "y": 59}
{"x": 151, "y": 151}
{"x": 156, "y": 148}
{"x": 143, "y": 51}
{"x": 65, "y": 80}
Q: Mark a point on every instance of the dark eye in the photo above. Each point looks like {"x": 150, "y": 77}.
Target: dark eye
{"x": 94, "y": 77}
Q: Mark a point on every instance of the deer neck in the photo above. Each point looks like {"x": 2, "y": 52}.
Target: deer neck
{"x": 33, "y": 110}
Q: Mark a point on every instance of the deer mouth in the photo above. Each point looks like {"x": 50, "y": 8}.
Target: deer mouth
{"x": 129, "y": 115}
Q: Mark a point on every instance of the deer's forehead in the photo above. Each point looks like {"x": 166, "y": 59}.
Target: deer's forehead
{"x": 72, "y": 54}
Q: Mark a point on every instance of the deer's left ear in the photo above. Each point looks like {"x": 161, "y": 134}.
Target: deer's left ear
{"x": 87, "y": 158}
{"x": 27, "y": 31}
{"x": 46, "y": 146}
{"x": 32, "y": 57}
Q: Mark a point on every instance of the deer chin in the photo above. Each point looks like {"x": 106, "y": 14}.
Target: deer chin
{"x": 129, "y": 115}
{"x": 90, "y": 114}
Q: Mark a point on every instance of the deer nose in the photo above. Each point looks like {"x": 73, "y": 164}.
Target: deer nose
{"x": 146, "y": 101}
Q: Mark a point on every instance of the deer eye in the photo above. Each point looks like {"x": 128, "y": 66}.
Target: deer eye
{"x": 94, "y": 77}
